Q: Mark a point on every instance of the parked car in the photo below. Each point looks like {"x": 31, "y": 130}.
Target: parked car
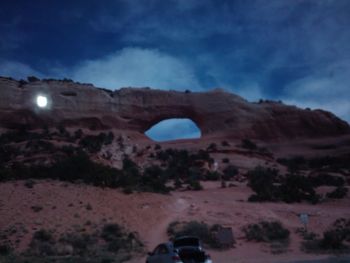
{"x": 182, "y": 250}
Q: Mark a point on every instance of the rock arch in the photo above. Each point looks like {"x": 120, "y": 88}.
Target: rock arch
{"x": 217, "y": 113}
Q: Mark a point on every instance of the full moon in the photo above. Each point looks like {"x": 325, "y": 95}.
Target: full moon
{"x": 41, "y": 101}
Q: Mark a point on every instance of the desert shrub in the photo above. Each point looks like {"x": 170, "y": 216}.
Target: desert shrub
{"x": 269, "y": 186}
{"x": 326, "y": 179}
{"x": 212, "y": 147}
{"x": 338, "y": 193}
{"x": 326, "y": 163}
{"x": 261, "y": 180}
{"x": 80, "y": 242}
{"x": 5, "y": 249}
{"x": 37, "y": 208}
{"x": 117, "y": 238}
{"x": 294, "y": 164}
{"x": 19, "y": 135}
{"x": 230, "y": 172}
{"x": 212, "y": 176}
{"x": 193, "y": 228}
{"x": 43, "y": 235}
{"x": 154, "y": 180}
{"x": 266, "y": 232}
{"x": 296, "y": 188}
{"x": 248, "y": 144}
{"x": 157, "y": 147}
{"x": 225, "y": 143}
{"x": 32, "y": 78}
{"x": 78, "y": 134}
{"x": 336, "y": 238}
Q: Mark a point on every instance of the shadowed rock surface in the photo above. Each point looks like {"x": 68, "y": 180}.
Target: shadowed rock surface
{"x": 217, "y": 113}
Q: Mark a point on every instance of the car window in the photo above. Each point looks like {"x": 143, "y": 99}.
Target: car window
{"x": 183, "y": 242}
{"x": 161, "y": 249}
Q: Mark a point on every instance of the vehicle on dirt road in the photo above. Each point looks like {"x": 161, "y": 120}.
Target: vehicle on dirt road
{"x": 185, "y": 249}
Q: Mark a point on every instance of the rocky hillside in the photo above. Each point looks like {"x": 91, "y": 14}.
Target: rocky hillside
{"x": 217, "y": 113}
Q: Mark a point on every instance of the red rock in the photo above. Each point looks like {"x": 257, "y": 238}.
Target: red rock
{"x": 217, "y": 113}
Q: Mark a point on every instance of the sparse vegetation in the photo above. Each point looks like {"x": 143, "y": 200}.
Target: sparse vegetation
{"x": 111, "y": 241}
{"x": 270, "y": 186}
{"x": 334, "y": 240}
{"x": 194, "y": 228}
{"x": 265, "y": 231}
{"x": 248, "y": 144}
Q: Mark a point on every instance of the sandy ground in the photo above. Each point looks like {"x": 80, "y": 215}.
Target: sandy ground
{"x": 64, "y": 206}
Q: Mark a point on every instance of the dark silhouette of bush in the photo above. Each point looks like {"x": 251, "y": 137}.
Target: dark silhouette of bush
{"x": 248, "y": 144}
{"x": 154, "y": 179}
{"x": 229, "y": 172}
{"x": 266, "y": 232}
{"x": 212, "y": 147}
{"x": 326, "y": 179}
{"x": 326, "y": 163}
{"x": 193, "y": 228}
{"x": 262, "y": 180}
{"x": 338, "y": 193}
{"x": 212, "y": 176}
{"x": 32, "y": 79}
{"x": 225, "y": 143}
{"x": 269, "y": 186}
{"x": 94, "y": 143}
{"x": 294, "y": 164}
{"x": 335, "y": 239}
{"x": 296, "y": 188}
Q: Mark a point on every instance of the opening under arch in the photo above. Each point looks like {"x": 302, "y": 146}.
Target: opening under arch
{"x": 174, "y": 129}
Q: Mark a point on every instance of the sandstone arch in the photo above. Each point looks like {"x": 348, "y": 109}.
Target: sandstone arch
{"x": 217, "y": 113}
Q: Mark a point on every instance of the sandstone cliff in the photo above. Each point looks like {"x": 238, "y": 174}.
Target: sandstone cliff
{"x": 217, "y": 113}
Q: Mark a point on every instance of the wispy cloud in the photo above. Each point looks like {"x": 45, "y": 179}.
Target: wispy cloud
{"x": 137, "y": 67}
{"x": 17, "y": 70}
{"x": 326, "y": 89}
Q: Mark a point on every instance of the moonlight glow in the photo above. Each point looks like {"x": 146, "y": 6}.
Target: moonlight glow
{"x": 41, "y": 101}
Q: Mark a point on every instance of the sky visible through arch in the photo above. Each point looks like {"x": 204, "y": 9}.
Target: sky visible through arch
{"x": 295, "y": 51}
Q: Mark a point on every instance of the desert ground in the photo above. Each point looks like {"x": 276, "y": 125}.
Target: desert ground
{"x": 65, "y": 206}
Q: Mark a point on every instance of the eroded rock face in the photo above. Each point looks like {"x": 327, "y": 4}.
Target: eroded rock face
{"x": 217, "y": 113}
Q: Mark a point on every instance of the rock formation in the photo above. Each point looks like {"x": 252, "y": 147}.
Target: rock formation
{"x": 217, "y": 113}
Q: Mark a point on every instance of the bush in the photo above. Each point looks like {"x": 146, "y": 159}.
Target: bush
{"x": 339, "y": 193}
{"x": 193, "y": 228}
{"x": 326, "y": 179}
{"x": 230, "y": 172}
{"x": 333, "y": 239}
{"x": 225, "y": 143}
{"x": 266, "y": 232}
{"x": 5, "y": 249}
{"x": 212, "y": 176}
{"x": 296, "y": 188}
{"x": 32, "y": 79}
{"x": 261, "y": 180}
{"x": 43, "y": 235}
{"x": 248, "y": 144}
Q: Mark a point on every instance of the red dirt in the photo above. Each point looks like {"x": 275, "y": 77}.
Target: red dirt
{"x": 64, "y": 207}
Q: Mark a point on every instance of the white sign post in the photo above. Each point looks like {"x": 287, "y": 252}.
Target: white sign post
{"x": 304, "y": 219}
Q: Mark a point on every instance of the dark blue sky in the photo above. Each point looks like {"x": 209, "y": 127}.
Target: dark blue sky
{"x": 297, "y": 51}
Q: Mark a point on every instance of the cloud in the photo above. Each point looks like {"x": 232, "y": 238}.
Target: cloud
{"x": 327, "y": 89}
{"x": 17, "y": 70}
{"x": 137, "y": 67}
{"x": 173, "y": 129}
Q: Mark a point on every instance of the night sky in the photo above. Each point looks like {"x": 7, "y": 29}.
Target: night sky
{"x": 297, "y": 51}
